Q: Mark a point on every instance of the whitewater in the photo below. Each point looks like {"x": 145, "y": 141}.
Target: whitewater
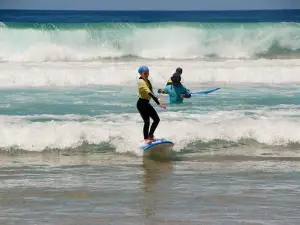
{"x": 64, "y": 86}
{"x": 64, "y": 105}
{"x": 70, "y": 130}
{"x": 181, "y": 41}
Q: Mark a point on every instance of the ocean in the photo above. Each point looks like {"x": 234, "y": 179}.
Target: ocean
{"x": 70, "y": 129}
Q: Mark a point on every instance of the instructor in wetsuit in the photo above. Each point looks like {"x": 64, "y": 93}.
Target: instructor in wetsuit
{"x": 178, "y": 71}
{"x": 143, "y": 104}
{"x": 176, "y": 91}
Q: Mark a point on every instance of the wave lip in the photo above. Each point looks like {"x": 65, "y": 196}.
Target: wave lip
{"x": 171, "y": 41}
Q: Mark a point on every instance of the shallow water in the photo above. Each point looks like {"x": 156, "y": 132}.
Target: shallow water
{"x": 121, "y": 189}
{"x": 70, "y": 129}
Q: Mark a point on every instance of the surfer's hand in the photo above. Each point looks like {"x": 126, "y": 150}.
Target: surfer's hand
{"x": 182, "y": 95}
{"x": 162, "y": 106}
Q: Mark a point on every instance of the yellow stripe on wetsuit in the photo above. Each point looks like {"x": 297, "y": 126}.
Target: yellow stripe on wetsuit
{"x": 144, "y": 88}
{"x": 169, "y": 82}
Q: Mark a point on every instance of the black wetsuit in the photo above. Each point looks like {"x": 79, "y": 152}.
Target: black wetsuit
{"x": 146, "y": 111}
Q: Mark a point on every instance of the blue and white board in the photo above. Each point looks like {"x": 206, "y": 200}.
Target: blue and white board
{"x": 159, "y": 146}
{"x": 205, "y": 92}
{"x": 160, "y": 142}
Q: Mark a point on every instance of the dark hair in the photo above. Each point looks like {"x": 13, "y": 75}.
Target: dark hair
{"x": 176, "y": 78}
{"x": 179, "y": 70}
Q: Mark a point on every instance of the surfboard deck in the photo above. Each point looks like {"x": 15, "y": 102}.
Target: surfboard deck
{"x": 159, "y": 147}
{"x": 205, "y": 92}
{"x": 158, "y": 142}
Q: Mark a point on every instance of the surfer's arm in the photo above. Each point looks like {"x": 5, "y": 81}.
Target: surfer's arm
{"x": 187, "y": 93}
{"x": 154, "y": 98}
{"x": 162, "y": 91}
{"x": 144, "y": 88}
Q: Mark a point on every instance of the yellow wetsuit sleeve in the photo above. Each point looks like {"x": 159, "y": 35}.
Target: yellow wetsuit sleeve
{"x": 143, "y": 87}
{"x": 143, "y": 90}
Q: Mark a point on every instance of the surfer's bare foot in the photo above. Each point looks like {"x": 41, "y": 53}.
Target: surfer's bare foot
{"x": 147, "y": 141}
{"x": 151, "y": 138}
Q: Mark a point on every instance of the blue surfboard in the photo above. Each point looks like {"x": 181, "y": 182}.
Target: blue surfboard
{"x": 157, "y": 143}
{"x": 205, "y": 92}
{"x": 159, "y": 149}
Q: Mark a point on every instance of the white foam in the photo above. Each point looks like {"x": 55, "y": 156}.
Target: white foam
{"x": 125, "y": 73}
{"x": 19, "y": 132}
{"x": 169, "y": 41}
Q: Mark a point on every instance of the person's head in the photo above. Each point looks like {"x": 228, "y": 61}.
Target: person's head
{"x": 179, "y": 70}
{"x": 176, "y": 79}
{"x": 144, "y": 72}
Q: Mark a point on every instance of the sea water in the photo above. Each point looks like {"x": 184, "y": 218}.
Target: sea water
{"x": 70, "y": 129}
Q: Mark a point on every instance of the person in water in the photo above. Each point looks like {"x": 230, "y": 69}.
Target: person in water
{"x": 176, "y": 91}
{"x": 179, "y": 71}
{"x": 146, "y": 110}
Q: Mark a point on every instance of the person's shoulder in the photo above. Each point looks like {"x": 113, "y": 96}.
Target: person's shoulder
{"x": 169, "y": 81}
{"x": 141, "y": 81}
{"x": 168, "y": 87}
{"x": 182, "y": 86}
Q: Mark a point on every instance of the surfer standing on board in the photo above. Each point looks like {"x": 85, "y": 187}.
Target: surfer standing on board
{"x": 143, "y": 104}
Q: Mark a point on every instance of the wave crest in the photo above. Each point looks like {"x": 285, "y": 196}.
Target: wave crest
{"x": 153, "y": 41}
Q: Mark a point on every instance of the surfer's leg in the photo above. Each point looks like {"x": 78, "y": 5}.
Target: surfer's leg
{"x": 146, "y": 119}
{"x": 143, "y": 110}
{"x": 155, "y": 118}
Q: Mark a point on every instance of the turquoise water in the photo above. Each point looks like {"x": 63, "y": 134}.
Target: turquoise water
{"x": 70, "y": 129}
{"x": 63, "y": 105}
{"x": 96, "y": 42}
